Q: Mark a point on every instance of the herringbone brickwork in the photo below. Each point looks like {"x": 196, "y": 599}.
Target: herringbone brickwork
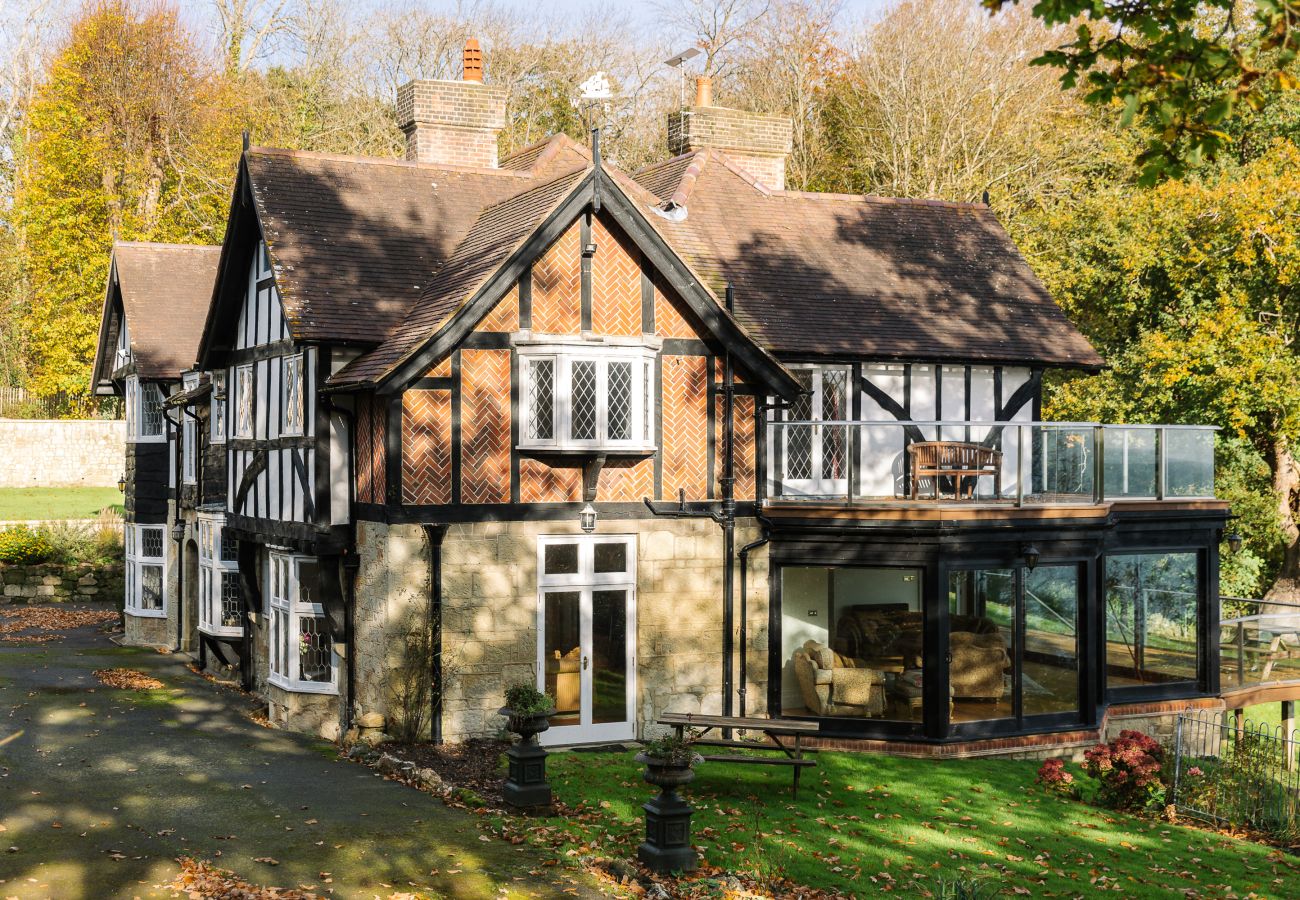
{"x": 504, "y": 316}
{"x": 426, "y": 447}
{"x": 485, "y": 426}
{"x": 685, "y": 423}
{"x": 440, "y": 370}
{"x": 557, "y": 286}
{"x": 626, "y": 481}
{"x": 541, "y": 483}
{"x": 370, "y": 475}
{"x": 669, "y": 321}
{"x": 743, "y": 457}
{"x": 615, "y": 282}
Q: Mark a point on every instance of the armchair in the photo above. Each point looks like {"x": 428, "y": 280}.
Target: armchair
{"x": 834, "y": 685}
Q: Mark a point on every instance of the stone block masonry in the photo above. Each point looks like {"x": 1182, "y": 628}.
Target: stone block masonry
{"x": 61, "y": 453}
{"x": 49, "y": 582}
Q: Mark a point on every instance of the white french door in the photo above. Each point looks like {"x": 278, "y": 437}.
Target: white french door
{"x": 814, "y": 458}
{"x": 586, "y": 636}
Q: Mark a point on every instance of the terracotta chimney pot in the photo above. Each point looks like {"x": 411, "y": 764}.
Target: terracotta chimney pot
{"x": 703, "y": 90}
{"x": 473, "y": 61}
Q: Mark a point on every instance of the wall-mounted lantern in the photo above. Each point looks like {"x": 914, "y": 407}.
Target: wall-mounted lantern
{"x": 1235, "y": 542}
{"x": 121, "y": 483}
{"x": 587, "y": 519}
{"x": 1031, "y": 555}
{"x": 178, "y": 531}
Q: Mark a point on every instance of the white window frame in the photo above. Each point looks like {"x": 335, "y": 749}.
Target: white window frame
{"x": 563, "y": 354}
{"x": 819, "y": 482}
{"x": 295, "y": 408}
{"x": 136, "y": 563}
{"x": 189, "y": 437}
{"x": 122, "y": 355}
{"x": 286, "y": 610}
{"x": 136, "y": 394}
{"x": 214, "y": 566}
{"x": 585, "y": 582}
{"x": 245, "y": 402}
{"x": 218, "y": 408}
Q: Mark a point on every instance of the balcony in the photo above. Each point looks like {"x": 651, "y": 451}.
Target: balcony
{"x": 1019, "y": 464}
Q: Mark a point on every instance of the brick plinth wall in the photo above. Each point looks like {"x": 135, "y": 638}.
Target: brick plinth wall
{"x": 451, "y": 122}
{"x": 48, "y": 582}
{"x": 756, "y": 143}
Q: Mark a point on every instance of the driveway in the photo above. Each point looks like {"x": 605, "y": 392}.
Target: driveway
{"x": 101, "y": 790}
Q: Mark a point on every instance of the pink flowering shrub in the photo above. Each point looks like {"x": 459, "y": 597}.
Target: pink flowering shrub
{"x": 1128, "y": 770}
{"x": 1054, "y": 778}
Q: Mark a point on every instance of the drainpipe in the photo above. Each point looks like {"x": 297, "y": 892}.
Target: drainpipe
{"x": 351, "y": 568}
{"x": 728, "y": 484}
{"x": 175, "y": 425}
{"x": 434, "y": 535}
{"x": 744, "y": 605}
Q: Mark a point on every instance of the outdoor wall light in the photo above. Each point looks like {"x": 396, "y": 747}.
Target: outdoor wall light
{"x": 178, "y": 531}
{"x": 1031, "y": 554}
{"x": 121, "y": 483}
{"x": 587, "y": 519}
{"x": 1235, "y": 540}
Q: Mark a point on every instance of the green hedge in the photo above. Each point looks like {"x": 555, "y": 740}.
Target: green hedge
{"x": 21, "y": 544}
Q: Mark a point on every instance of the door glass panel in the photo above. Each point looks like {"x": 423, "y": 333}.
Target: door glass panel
{"x": 981, "y": 629}
{"x": 561, "y": 559}
{"x": 611, "y": 558}
{"x": 798, "y": 449}
{"x": 1152, "y": 631}
{"x": 609, "y": 656}
{"x": 562, "y": 654}
{"x": 1050, "y": 675}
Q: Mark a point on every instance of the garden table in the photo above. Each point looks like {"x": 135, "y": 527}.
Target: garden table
{"x": 776, "y": 731}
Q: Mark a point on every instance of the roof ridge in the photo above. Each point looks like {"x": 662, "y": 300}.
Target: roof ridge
{"x": 882, "y": 198}
{"x": 385, "y": 161}
{"x": 167, "y": 245}
{"x": 690, "y": 175}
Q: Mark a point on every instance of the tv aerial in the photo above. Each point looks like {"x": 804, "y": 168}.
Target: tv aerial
{"x": 678, "y": 62}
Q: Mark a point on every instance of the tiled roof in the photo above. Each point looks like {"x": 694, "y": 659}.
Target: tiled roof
{"x": 861, "y": 276}
{"x": 166, "y": 290}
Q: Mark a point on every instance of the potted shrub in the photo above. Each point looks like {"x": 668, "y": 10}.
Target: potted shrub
{"x": 669, "y": 764}
{"x": 527, "y": 713}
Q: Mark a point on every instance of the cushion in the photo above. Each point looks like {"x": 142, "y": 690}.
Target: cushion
{"x": 820, "y": 654}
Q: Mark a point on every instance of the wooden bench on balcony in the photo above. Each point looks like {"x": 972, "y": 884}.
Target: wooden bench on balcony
{"x": 958, "y": 460}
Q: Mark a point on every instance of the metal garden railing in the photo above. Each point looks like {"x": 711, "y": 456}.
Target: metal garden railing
{"x": 1242, "y": 776}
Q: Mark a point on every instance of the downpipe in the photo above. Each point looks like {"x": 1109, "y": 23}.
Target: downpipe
{"x": 434, "y": 534}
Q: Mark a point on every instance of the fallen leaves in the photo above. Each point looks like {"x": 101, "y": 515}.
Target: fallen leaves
{"x": 127, "y": 679}
{"x": 45, "y": 620}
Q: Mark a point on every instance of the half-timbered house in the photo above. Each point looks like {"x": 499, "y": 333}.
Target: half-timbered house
{"x": 676, "y": 440}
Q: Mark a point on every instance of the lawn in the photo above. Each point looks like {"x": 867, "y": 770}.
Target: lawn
{"x": 23, "y": 504}
{"x": 866, "y": 824}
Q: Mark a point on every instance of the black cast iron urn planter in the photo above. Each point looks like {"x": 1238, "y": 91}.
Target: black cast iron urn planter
{"x": 526, "y": 786}
{"x": 667, "y": 846}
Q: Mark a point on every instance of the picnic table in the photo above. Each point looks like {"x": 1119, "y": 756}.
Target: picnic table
{"x": 777, "y": 730}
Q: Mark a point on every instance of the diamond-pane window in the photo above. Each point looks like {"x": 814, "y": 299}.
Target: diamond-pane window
{"x": 834, "y": 437}
{"x": 151, "y": 542}
{"x": 229, "y": 547}
{"x": 315, "y": 651}
{"x": 541, "y": 400}
{"x": 799, "y": 438}
{"x": 620, "y": 401}
{"x": 230, "y": 599}
{"x": 151, "y": 410}
{"x": 583, "y": 401}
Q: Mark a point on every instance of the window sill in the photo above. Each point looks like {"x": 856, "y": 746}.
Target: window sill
{"x": 587, "y": 450}
{"x": 147, "y": 439}
{"x": 146, "y": 613}
{"x": 302, "y": 687}
{"x": 222, "y": 630}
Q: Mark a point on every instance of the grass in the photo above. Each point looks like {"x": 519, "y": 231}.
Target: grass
{"x": 25, "y": 504}
{"x": 866, "y": 824}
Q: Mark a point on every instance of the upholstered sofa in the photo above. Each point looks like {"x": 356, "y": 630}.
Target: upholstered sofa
{"x": 835, "y": 685}
{"x": 893, "y": 640}
{"x": 563, "y": 670}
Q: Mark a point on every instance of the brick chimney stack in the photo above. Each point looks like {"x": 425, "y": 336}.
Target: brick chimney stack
{"x": 453, "y": 122}
{"x": 756, "y": 143}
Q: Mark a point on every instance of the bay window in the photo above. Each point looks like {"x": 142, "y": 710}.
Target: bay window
{"x": 219, "y": 594}
{"x": 576, "y": 396}
{"x": 300, "y": 647}
{"x": 144, "y": 411}
{"x": 145, "y": 563}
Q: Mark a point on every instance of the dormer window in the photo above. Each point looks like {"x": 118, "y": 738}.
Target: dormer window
{"x": 582, "y": 395}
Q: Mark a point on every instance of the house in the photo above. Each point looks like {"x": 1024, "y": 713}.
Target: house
{"x": 155, "y": 306}
{"x": 671, "y": 440}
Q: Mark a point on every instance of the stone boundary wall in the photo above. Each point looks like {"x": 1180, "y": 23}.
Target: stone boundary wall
{"x": 61, "y": 452}
{"x": 46, "y": 582}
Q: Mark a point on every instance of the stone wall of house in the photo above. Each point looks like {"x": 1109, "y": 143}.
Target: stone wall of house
{"x": 51, "y": 582}
{"x": 61, "y": 453}
{"x": 489, "y": 620}
{"x": 159, "y": 631}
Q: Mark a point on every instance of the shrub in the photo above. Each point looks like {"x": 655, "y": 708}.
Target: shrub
{"x": 98, "y": 542}
{"x": 525, "y": 700}
{"x": 673, "y": 750}
{"x": 1053, "y": 776}
{"x": 1127, "y": 769}
{"x": 21, "y": 544}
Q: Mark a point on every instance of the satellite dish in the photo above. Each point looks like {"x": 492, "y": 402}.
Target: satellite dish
{"x": 596, "y": 88}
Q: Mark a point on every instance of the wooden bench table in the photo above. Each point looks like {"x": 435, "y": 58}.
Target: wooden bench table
{"x": 775, "y": 729}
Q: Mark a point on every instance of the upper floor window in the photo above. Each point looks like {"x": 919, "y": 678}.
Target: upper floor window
{"x": 300, "y": 647}
{"x": 123, "y": 356}
{"x": 144, "y": 411}
{"x": 584, "y": 397}
{"x": 189, "y": 438}
{"x": 218, "y": 416}
{"x": 244, "y": 401}
{"x": 293, "y": 399}
{"x": 145, "y": 565}
{"x": 219, "y": 592}
{"x": 814, "y": 457}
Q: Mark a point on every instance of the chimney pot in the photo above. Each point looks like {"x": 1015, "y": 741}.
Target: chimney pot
{"x": 472, "y": 61}
{"x": 703, "y": 90}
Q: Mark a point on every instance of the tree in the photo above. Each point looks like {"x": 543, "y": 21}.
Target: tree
{"x": 1182, "y": 66}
